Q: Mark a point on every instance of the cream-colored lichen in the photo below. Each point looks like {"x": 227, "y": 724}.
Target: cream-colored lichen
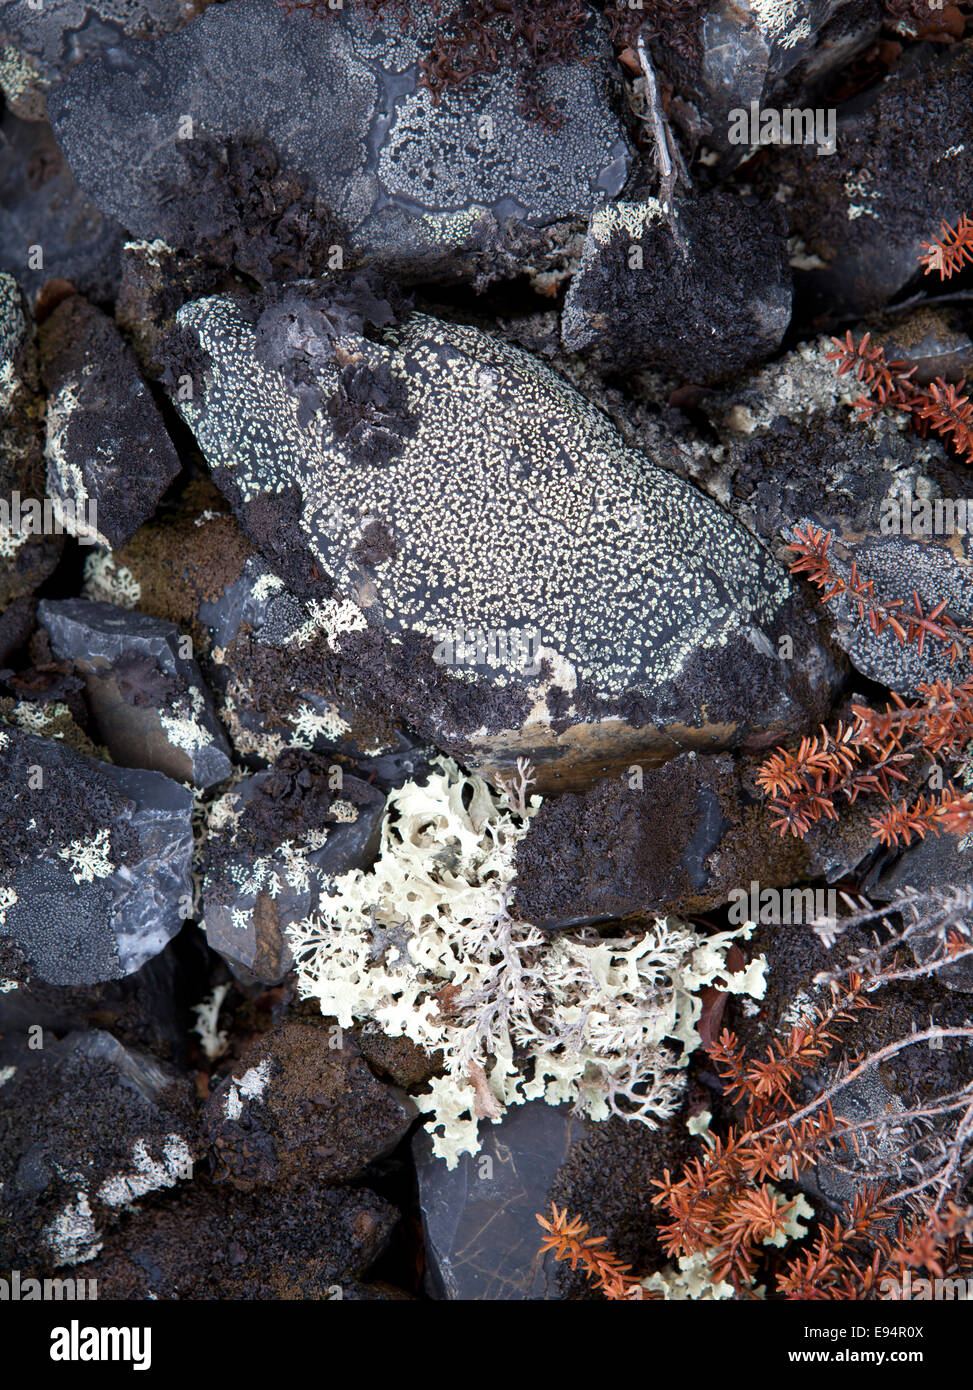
{"x": 105, "y": 581}
{"x": 425, "y": 945}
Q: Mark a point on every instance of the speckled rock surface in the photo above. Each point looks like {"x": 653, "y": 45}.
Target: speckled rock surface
{"x": 700, "y": 298}
{"x": 48, "y": 228}
{"x": 39, "y": 42}
{"x": 87, "y": 1127}
{"x": 274, "y": 841}
{"x": 211, "y": 1243}
{"x": 904, "y": 163}
{"x": 106, "y": 444}
{"x": 302, "y": 1106}
{"x": 146, "y": 693}
{"x": 27, "y": 556}
{"x": 417, "y": 185}
{"x": 95, "y": 860}
{"x": 588, "y": 621}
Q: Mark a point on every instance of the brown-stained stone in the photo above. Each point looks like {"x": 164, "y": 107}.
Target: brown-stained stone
{"x": 321, "y": 1115}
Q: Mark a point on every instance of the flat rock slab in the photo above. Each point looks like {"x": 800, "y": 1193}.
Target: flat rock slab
{"x": 509, "y": 574}
{"x": 414, "y": 181}
{"x": 480, "y": 1220}
{"x": 146, "y": 694}
{"x": 95, "y": 867}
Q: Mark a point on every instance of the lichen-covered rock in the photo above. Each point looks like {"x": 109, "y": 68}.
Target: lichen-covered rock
{"x": 698, "y": 297}
{"x": 48, "y": 228}
{"x": 27, "y": 556}
{"x": 109, "y": 458}
{"x": 301, "y": 1106}
{"x": 39, "y": 42}
{"x": 211, "y": 1243}
{"x": 145, "y": 692}
{"x": 275, "y": 679}
{"x": 87, "y": 1128}
{"x": 94, "y": 860}
{"x": 904, "y": 163}
{"x": 419, "y": 185}
{"x": 607, "y": 610}
{"x": 274, "y": 842}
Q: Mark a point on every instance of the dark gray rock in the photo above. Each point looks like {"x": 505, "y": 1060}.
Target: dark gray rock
{"x": 482, "y": 1237}
{"x": 274, "y": 841}
{"x": 480, "y": 1220}
{"x": 420, "y": 186}
{"x": 699, "y": 297}
{"x": 95, "y": 860}
{"x": 147, "y": 1010}
{"x": 87, "y": 1128}
{"x": 608, "y": 611}
{"x": 768, "y": 53}
{"x": 680, "y": 838}
{"x": 109, "y": 458}
{"x": 44, "y": 214}
{"x": 275, "y": 687}
{"x": 266, "y": 656}
{"x": 302, "y": 1104}
{"x": 147, "y": 697}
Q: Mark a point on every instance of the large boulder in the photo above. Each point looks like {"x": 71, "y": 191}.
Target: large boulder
{"x": 480, "y": 543}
